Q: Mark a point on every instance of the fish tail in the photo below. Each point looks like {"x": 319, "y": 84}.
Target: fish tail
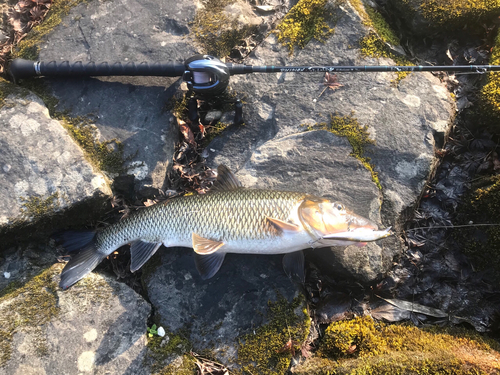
{"x": 87, "y": 256}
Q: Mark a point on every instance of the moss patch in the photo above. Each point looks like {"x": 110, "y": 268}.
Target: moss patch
{"x": 36, "y": 207}
{"x": 28, "y": 47}
{"x": 357, "y": 135}
{"x": 490, "y": 93}
{"x": 456, "y": 13}
{"x": 32, "y": 305}
{"x": 266, "y": 351}
{"x": 166, "y": 349}
{"x": 363, "y": 346}
{"x": 375, "y": 43}
{"x": 482, "y": 243}
{"x": 217, "y": 32}
{"x": 305, "y": 21}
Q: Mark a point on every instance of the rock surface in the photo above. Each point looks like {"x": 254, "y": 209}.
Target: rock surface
{"x": 216, "y": 312}
{"x": 40, "y": 165}
{"x": 131, "y": 110}
{"x": 98, "y": 326}
{"x": 272, "y": 150}
{"x": 406, "y": 122}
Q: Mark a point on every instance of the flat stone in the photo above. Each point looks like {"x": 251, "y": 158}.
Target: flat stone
{"x": 97, "y": 326}
{"x": 130, "y": 109}
{"x": 39, "y": 160}
{"x": 216, "y": 312}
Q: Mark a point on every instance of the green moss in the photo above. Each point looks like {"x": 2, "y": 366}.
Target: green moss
{"x": 305, "y": 21}
{"x": 265, "y": 351}
{"x": 165, "y": 349}
{"x": 375, "y": 43}
{"x": 358, "y": 136}
{"x": 215, "y": 31}
{"x": 213, "y": 132}
{"x": 31, "y": 305}
{"x": 482, "y": 243}
{"x": 363, "y": 346}
{"x": 36, "y": 207}
{"x": 490, "y": 93}
{"x": 456, "y": 13}
{"x": 28, "y": 47}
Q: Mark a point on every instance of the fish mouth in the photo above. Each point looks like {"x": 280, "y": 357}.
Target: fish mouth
{"x": 355, "y": 222}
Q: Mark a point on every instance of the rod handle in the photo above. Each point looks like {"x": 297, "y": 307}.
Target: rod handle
{"x": 20, "y": 68}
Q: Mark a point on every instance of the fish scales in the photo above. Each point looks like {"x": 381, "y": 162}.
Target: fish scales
{"x": 228, "y": 219}
{"x": 225, "y": 216}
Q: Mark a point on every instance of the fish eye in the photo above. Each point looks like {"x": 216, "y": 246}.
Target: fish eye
{"x": 339, "y": 207}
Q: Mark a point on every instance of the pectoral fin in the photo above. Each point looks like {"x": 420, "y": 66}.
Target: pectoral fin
{"x": 208, "y": 265}
{"x": 140, "y": 252}
{"x": 205, "y": 246}
{"x": 283, "y": 226}
{"x": 293, "y": 264}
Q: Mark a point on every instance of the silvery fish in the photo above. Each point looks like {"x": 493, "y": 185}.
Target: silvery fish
{"x": 227, "y": 219}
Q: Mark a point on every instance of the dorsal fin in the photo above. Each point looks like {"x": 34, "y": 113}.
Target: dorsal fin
{"x": 226, "y": 180}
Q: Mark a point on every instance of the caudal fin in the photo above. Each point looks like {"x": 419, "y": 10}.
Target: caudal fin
{"x": 85, "y": 259}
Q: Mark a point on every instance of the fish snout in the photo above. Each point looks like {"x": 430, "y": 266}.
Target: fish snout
{"x": 359, "y": 222}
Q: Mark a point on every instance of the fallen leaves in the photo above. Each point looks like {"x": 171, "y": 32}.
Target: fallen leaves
{"x": 22, "y": 17}
{"x": 330, "y": 81}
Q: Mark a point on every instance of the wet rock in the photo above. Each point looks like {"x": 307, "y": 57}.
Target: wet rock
{"x": 42, "y": 170}
{"x": 98, "y": 326}
{"x": 131, "y": 110}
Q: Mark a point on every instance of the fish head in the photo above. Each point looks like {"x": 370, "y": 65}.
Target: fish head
{"x": 322, "y": 217}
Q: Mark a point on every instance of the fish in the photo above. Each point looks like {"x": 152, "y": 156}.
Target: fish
{"x": 229, "y": 218}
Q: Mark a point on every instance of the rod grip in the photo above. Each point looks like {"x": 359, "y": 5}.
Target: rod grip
{"x": 20, "y": 68}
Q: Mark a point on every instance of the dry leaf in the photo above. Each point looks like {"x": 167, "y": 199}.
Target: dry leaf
{"x": 186, "y": 132}
{"x": 330, "y": 81}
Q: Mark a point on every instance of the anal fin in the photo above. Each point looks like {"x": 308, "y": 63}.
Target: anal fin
{"x": 293, "y": 264}
{"x": 208, "y": 265}
{"x": 140, "y": 252}
{"x": 205, "y": 246}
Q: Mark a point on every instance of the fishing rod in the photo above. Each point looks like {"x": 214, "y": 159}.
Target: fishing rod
{"x": 206, "y": 75}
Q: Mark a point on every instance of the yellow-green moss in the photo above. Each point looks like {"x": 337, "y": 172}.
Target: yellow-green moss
{"x": 374, "y": 44}
{"x": 490, "y": 94}
{"x": 482, "y": 243}
{"x": 214, "y": 131}
{"x": 31, "y": 305}
{"x": 28, "y": 47}
{"x": 363, "y": 346}
{"x": 265, "y": 351}
{"x": 357, "y": 135}
{"x": 36, "y": 207}
{"x": 161, "y": 349}
{"x": 456, "y": 13}
{"x": 305, "y": 21}
{"x": 215, "y": 31}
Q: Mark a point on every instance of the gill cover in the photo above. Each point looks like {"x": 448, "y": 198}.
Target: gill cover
{"x": 321, "y": 217}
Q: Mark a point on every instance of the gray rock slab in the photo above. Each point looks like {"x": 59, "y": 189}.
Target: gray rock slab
{"x": 99, "y": 328}
{"x": 39, "y": 160}
{"x": 406, "y": 121}
{"x": 131, "y": 110}
{"x": 216, "y": 311}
